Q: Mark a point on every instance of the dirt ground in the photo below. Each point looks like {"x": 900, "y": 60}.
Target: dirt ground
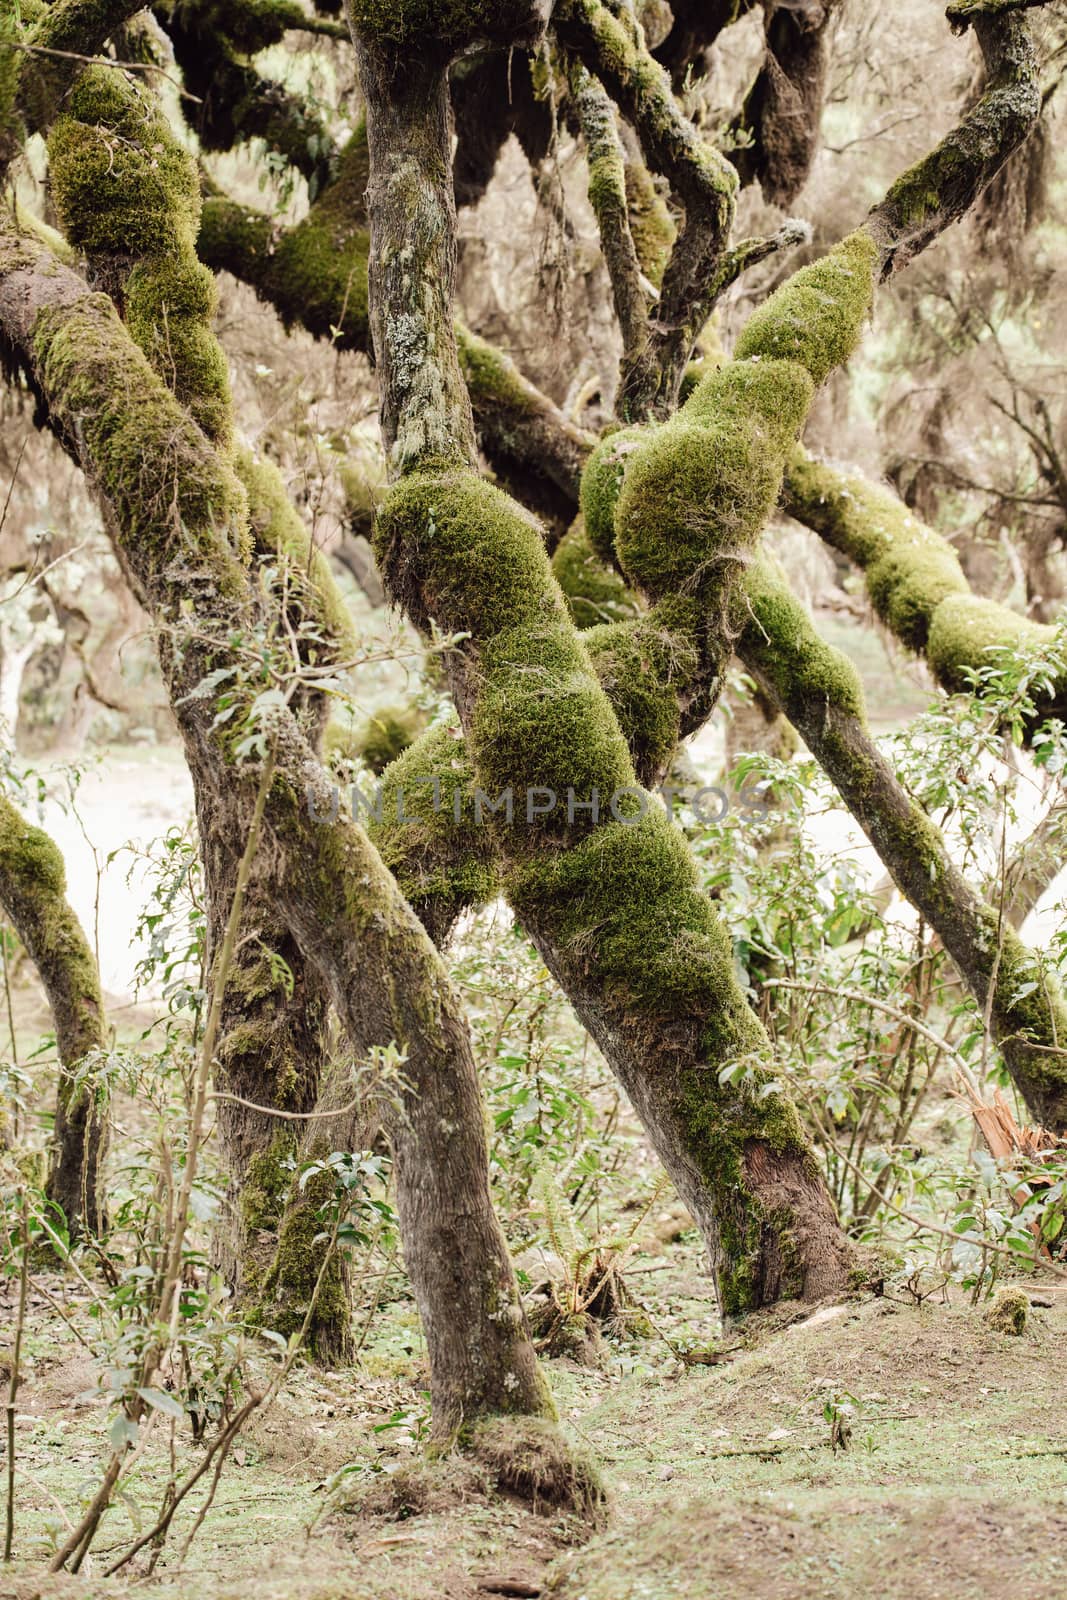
{"x": 722, "y": 1480}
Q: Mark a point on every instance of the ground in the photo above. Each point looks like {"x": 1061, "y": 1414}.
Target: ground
{"x": 722, "y": 1479}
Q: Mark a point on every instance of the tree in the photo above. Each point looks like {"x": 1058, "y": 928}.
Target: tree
{"x": 110, "y": 326}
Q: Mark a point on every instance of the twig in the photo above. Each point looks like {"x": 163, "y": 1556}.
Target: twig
{"x": 101, "y": 61}
{"x": 13, "y": 1381}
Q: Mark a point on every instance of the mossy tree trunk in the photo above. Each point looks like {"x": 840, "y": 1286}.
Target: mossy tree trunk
{"x": 271, "y": 1049}
{"x": 180, "y": 534}
{"x": 614, "y": 908}
{"x": 33, "y": 894}
{"x": 820, "y": 691}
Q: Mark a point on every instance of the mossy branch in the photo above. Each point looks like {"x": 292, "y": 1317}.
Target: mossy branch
{"x": 315, "y": 273}
{"x": 943, "y": 185}
{"x": 33, "y": 892}
{"x": 65, "y": 34}
{"x": 819, "y": 690}
{"x": 703, "y": 179}
{"x": 608, "y": 198}
{"x": 914, "y": 579}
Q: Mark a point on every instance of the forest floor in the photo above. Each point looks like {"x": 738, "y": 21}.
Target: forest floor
{"x": 722, "y": 1479}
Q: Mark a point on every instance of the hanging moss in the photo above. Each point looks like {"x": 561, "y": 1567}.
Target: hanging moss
{"x": 817, "y": 316}
{"x": 595, "y": 593}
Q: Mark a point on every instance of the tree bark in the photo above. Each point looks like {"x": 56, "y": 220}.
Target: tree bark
{"x": 178, "y": 534}
{"x": 33, "y": 894}
{"x": 615, "y": 910}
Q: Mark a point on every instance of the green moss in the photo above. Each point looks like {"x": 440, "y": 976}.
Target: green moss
{"x": 856, "y": 517}
{"x": 443, "y": 859}
{"x": 251, "y": 25}
{"x": 278, "y": 528}
{"x": 266, "y": 1183}
{"x": 169, "y": 306}
{"x": 387, "y": 734}
{"x": 542, "y": 721}
{"x": 446, "y": 22}
{"x": 314, "y": 275}
{"x": 627, "y": 897}
{"x": 783, "y": 646}
{"x": 28, "y": 856}
{"x": 601, "y": 483}
{"x": 290, "y": 1283}
{"x": 651, "y": 225}
{"x": 965, "y": 628}
{"x": 101, "y": 386}
{"x": 457, "y": 550}
{"x": 909, "y": 582}
{"x": 490, "y": 374}
{"x": 644, "y": 667}
{"x": 595, "y": 593}
{"x": 318, "y": 270}
{"x": 1009, "y": 1312}
{"x": 696, "y": 494}
{"x": 121, "y": 183}
{"x": 817, "y": 316}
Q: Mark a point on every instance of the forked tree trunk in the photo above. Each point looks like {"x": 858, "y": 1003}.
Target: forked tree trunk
{"x": 614, "y": 910}
{"x": 177, "y": 533}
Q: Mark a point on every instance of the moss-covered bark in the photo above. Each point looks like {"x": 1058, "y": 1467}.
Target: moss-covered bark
{"x": 820, "y": 692}
{"x": 33, "y": 884}
{"x": 613, "y": 905}
{"x": 315, "y": 273}
{"x": 942, "y": 186}
{"x": 181, "y": 534}
{"x": 914, "y": 578}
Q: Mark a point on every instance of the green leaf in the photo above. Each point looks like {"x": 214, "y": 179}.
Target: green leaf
{"x": 163, "y": 1402}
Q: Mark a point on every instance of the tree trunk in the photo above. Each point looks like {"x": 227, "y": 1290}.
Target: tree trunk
{"x": 178, "y": 533}
{"x": 614, "y": 909}
{"x": 33, "y": 884}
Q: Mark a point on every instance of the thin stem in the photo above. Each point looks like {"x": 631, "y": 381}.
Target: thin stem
{"x": 13, "y": 1381}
